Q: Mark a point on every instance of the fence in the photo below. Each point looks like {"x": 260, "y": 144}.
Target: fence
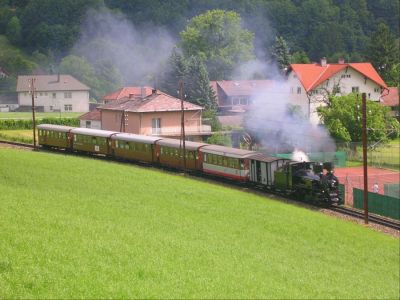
{"x": 392, "y": 190}
{"x": 378, "y": 204}
{"x": 379, "y": 155}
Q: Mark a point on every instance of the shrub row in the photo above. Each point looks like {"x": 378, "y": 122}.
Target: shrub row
{"x": 27, "y": 124}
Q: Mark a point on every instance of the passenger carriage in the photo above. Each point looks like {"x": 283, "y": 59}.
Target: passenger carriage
{"x": 92, "y": 140}
{"x": 226, "y": 162}
{"x": 169, "y": 153}
{"x": 54, "y": 135}
{"x": 134, "y": 147}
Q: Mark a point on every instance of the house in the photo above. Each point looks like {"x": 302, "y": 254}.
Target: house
{"x": 157, "y": 114}
{"x": 91, "y": 119}
{"x": 235, "y": 96}
{"x": 127, "y": 92}
{"x": 310, "y": 84}
{"x": 391, "y": 99}
{"x": 61, "y": 93}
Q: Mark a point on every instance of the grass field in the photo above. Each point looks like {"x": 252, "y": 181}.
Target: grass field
{"x": 24, "y": 136}
{"x": 38, "y": 115}
{"x": 84, "y": 228}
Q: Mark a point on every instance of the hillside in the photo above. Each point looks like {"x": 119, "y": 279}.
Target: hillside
{"x": 84, "y": 228}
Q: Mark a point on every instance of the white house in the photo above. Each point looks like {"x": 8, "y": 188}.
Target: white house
{"x": 54, "y": 93}
{"x": 310, "y": 84}
{"x": 91, "y": 119}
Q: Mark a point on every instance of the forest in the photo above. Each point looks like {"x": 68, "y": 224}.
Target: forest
{"x": 110, "y": 43}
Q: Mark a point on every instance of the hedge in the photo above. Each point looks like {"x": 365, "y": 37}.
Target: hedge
{"x": 27, "y": 124}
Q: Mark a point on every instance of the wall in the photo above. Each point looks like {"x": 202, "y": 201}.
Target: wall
{"x": 141, "y": 123}
{"x": 79, "y": 100}
{"x": 94, "y": 124}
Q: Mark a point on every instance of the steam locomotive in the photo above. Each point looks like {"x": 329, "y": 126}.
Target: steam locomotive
{"x": 307, "y": 181}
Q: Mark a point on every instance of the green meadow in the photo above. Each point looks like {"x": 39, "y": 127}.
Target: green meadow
{"x": 86, "y": 228}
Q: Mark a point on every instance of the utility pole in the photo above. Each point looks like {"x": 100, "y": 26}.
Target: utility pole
{"x": 32, "y": 91}
{"x": 364, "y": 143}
{"x": 183, "y": 138}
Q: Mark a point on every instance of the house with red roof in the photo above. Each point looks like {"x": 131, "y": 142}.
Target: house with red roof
{"x": 391, "y": 99}
{"x": 310, "y": 84}
{"x": 153, "y": 113}
{"x": 127, "y": 92}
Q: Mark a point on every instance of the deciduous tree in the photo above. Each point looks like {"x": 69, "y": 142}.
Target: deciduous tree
{"x": 218, "y": 38}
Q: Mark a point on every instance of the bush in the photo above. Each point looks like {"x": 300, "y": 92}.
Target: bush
{"x": 28, "y": 124}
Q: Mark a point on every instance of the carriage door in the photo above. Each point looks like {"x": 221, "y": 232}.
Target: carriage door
{"x": 255, "y": 171}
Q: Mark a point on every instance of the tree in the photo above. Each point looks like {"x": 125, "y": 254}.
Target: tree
{"x": 197, "y": 84}
{"x": 299, "y": 57}
{"x": 382, "y": 51}
{"x": 343, "y": 120}
{"x": 175, "y": 71}
{"x": 218, "y": 38}
{"x": 13, "y": 30}
{"x": 280, "y": 53}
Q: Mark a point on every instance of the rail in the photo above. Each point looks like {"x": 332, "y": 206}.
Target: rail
{"x": 371, "y": 217}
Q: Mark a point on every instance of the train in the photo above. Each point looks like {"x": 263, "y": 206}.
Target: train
{"x": 306, "y": 181}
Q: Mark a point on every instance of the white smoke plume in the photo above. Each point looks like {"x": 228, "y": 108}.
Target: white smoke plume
{"x": 137, "y": 53}
{"x": 280, "y": 126}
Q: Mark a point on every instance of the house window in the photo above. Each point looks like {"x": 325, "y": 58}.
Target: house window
{"x": 376, "y": 90}
{"x": 355, "y": 89}
{"x": 291, "y": 90}
{"x": 54, "y": 95}
{"x": 156, "y": 125}
{"x": 51, "y": 107}
{"x": 243, "y": 101}
{"x": 235, "y": 101}
{"x": 67, "y": 95}
{"x": 88, "y": 124}
{"x": 68, "y": 107}
{"x": 298, "y": 90}
{"x": 348, "y": 76}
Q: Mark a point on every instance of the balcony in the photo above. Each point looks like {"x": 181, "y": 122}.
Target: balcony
{"x": 176, "y": 131}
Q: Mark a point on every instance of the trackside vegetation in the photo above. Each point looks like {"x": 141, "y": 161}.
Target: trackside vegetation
{"x": 85, "y": 228}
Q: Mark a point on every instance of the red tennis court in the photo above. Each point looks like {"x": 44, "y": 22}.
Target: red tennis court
{"x": 354, "y": 178}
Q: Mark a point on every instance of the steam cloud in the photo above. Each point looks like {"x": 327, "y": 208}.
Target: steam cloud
{"x": 281, "y": 127}
{"x": 138, "y": 54}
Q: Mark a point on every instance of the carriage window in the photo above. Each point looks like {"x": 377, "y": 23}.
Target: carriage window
{"x": 225, "y": 161}
{"x": 205, "y": 157}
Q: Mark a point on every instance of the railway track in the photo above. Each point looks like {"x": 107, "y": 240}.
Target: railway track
{"x": 359, "y": 214}
{"x": 373, "y": 218}
{"x": 17, "y": 144}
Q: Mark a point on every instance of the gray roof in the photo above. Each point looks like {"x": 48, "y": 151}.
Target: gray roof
{"x": 135, "y": 138}
{"x": 175, "y": 143}
{"x": 93, "y": 132}
{"x": 47, "y": 83}
{"x": 226, "y": 151}
{"x": 52, "y": 127}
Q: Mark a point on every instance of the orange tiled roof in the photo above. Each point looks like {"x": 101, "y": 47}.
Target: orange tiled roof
{"x": 91, "y": 115}
{"x": 312, "y": 75}
{"x": 125, "y": 92}
{"x": 392, "y": 98}
{"x": 158, "y": 101}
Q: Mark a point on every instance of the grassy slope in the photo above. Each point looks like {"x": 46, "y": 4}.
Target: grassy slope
{"x": 72, "y": 228}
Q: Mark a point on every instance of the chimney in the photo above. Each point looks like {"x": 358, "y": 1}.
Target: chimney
{"x": 143, "y": 92}
{"x": 131, "y": 96}
{"x": 154, "y": 91}
{"x": 58, "y": 77}
{"x": 341, "y": 61}
{"x": 323, "y": 62}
